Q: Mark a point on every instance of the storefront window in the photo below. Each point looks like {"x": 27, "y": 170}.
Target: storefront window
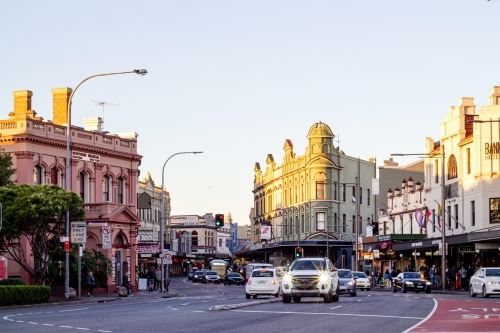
{"x": 494, "y": 210}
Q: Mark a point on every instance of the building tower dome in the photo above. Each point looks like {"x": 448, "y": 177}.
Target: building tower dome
{"x": 320, "y": 139}
{"x": 320, "y": 130}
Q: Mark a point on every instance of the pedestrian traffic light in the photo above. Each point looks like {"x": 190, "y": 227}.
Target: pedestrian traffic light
{"x": 219, "y": 220}
{"x": 299, "y": 252}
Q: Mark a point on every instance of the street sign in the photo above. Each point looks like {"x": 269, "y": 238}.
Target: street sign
{"x": 106, "y": 238}
{"x": 167, "y": 259}
{"x": 64, "y": 239}
{"x": 78, "y": 232}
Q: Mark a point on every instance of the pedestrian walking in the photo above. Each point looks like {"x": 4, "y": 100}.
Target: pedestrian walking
{"x": 432, "y": 276}
{"x": 151, "y": 279}
{"x": 463, "y": 277}
{"x": 90, "y": 283}
{"x": 387, "y": 279}
{"x": 158, "y": 279}
{"x": 127, "y": 284}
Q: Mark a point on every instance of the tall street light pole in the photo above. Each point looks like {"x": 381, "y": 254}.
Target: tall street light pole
{"x": 162, "y": 226}
{"x": 68, "y": 176}
{"x": 443, "y": 227}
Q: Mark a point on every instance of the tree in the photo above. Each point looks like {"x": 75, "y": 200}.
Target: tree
{"x": 36, "y": 213}
{"x": 6, "y": 169}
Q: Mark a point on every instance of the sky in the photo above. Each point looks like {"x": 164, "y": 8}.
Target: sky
{"x": 235, "y": 79}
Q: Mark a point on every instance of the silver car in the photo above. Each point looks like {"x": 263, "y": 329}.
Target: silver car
{"x": 347, "y": 282}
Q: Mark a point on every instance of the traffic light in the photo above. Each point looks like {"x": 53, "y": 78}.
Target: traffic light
{"x": 299, "y": 252}
{"x": 219, "y": 220}
{"x": 189, "y": 261}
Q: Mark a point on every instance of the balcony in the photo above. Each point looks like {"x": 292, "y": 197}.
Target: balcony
{"x": 103, "y": 209}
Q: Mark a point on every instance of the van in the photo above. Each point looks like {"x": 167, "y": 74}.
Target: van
{"x": 255, "y": 265}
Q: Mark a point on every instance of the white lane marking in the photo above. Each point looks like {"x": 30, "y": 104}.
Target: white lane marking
{"x": 20, "y": 321}
{"x": 66, "y": 326}
{"x": 327, "y": 313}
{"x": 185, "y": 304}
{"x": 7, "y": 318}
{"x": 204, "y": 301}
{"x": 198, "y": 311}
{"x": 335, "y": 307}
{"x": 30, "y": 322}
{"x": 359, "y": 300}
{"x": 416, "y": 297}
{"x": 104, "y": 331}
{"x": 81, "y": 328}
{"x": 174, "y": 309}
{"x": 47, "y": 324}
{"x": 73, "y": 310}
{"x": 369, "y": 295}
{"x": 425, "y": 319}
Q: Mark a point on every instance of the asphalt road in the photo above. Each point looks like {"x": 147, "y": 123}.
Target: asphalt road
{"x": 371, "y": 311}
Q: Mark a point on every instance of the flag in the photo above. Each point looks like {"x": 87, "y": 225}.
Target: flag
{"x": 419, "y": 217}
{"x": 439, "y": 215}
{"x": 427, "y": 215}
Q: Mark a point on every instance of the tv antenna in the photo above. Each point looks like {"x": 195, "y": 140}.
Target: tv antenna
{"x": 101, "y": 103}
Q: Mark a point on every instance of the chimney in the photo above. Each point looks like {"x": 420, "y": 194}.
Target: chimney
{"x": 410, "y": 185}
{"x": 60, "y": 98}
{"x": 92, "y": 124}
{"x": 22, "y": 104}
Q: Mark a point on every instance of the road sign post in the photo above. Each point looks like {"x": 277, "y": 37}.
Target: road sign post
{"x": 106, "y": 244}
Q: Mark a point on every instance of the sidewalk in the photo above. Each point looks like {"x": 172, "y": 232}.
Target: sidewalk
{"x": 434, "y": 291}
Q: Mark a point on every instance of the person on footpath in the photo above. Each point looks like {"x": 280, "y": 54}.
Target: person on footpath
{"x": 387, "y": 279}
{"x": 432, "y": 275}
{"x": 151, "y": 279}
{"x": 90, "y": 283}
{"x": 126, "y": 284}
{"x": 463, "y": 277}
{"x": 158, "y": 279}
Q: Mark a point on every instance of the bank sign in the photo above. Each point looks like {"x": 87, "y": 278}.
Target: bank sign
{"x": 78, "y": 155}
{"x": 492, "y": 151}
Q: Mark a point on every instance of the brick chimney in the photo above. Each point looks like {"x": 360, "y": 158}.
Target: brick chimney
{"x": 22, "y": 104}
{"x": 60, "y": 98}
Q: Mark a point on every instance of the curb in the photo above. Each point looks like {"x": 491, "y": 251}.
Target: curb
{"x": 241, "y": 305}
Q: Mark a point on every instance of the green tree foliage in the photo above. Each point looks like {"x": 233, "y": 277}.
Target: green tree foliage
{"x": 6, "y": 169}
{"x": 37, "y": 214}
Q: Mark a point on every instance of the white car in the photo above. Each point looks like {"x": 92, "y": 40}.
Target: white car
{"x": 485, "y": 281}
{"x": 262, "y": 282}
{"x": 362, "y": 280}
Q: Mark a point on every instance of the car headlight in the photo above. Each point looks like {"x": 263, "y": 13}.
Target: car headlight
{"x": 409, "y": 282}
{"x": 349, "y": 283}
{"x": 493, "y": 282}
{"x": 323, "y": 278}
{"x": 287, "y": 278}
{"x": 428, "y": 283}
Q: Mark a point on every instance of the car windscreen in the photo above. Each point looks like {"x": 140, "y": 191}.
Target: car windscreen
{"x": 308, "y": 265}
{"x": 411, "y": 275}
{"x": 211, "y": 273}
{"x": 344, "y": 274}
{"x": 492, "y": 272}
{"x": 262, "y": 273}
{"x": 360, "y": 275}
{"x": 234, "y": 275}
{"x": 198, "y": 273}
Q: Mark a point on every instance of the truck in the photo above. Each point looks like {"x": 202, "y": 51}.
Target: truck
{"x": 219, "y": 266}
{"x": 311, "y": 277}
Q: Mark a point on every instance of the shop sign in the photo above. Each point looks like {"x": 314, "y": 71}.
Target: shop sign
{"x": 416, "y": 244}
{"x": 368, "y": 256}
{"x": 466, "y": 249}
{"x": 78, "y": 155}
{"x": 384, "y": 245}
{"x": 384, "y": 238}
{"x": 147, "y": 249}
{"x": 376, "y": 254}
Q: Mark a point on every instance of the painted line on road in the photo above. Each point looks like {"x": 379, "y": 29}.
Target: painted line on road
{"x": 66, "y": 326}
{"x": 73, "y": 310}
{"x": 81, "y": 328}
{"x": 47, "y": 324}
{"x": 30, "y": 322}
{"x": 185, "y": 304}
{"x": 198, "y": 311}
{"x": 328, "y": 313}
{"x": 336, "y": 307}
{"x": 104, "y": 331}
{"x": 425, "y": 319}
{"x": 20, "y": 321}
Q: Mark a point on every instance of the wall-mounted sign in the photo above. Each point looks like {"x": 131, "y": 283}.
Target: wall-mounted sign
{"x": 492, "y": 151}
{"x": 184, "y": 219}
{"x": 265, "y": 232}
{"x": 78, "y": 155}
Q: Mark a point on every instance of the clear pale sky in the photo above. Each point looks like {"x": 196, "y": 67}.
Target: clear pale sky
{"x": 236, "y": 78}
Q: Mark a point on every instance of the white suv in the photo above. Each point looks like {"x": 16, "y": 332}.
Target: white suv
{"x": 311, "y": 277}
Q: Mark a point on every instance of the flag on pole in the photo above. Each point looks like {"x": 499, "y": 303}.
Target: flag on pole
{"x": 427, "y": 215}
{"x": 439, "y": 215}
{"x": 419, "y": 217}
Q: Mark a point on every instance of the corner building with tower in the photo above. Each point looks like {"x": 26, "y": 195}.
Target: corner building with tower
{"x": 310, "y": 201}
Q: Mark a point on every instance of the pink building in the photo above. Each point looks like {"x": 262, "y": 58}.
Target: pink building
{"x": 103, "y": 171}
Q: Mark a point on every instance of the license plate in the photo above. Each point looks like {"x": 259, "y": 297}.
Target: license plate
{"x": 420, "y": 286}
{"x": 262, "y": 282}
{"x": 360, "y": 285}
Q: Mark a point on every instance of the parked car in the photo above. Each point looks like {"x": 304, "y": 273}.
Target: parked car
{"x": 485, "y": 281}
{"x": 262, "y": 282}
{"x": 234, "y": 278}
{"x": 411, "y": 281}
{"x": 362, "y": 280}
{"x": 211, "y": 276}
{"x": 198, "y": 276}
{"x": 347, "y": 282}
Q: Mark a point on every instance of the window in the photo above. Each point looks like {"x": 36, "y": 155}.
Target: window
{"x": 121, "y": 185}
{"x": 37, "y": 175}
{"x": 360, "y": 195}
{"x": 368, "y": 197}
{"x": 344, "y": 223}
{"x": 105, "y": 188}
{"x": 436, "y": 171}
{"x": 468, "y": 160}
{"x": 494, "y": 210}
{"x": 54, "y": 176}
{"x": 433, "y": 220}
{"x": 456, "y": 216}
{"x": 220, "y": 242}
{"x": 84, "y": 186}
{"x": 343, "y": 193}
{"x": 335, "y": 223}
{"x": 334, "y": 191}
{"x": 354, "y": 224}
{"x": 473, "y": 213}
{"x": 448, "y": 210}
{"x": 297, "y": 225}
{"x": 285, "y": 225}
{"x": 194, "y": 238}
{"x": 452, "y": 167}
{"x": 320, "y": 221}
{"x": 302, "y": 192}
{"x": 286, "y": 198}
{"x": 353, "y": 194}
{"x": 302, "y": 223}
{"x": 296, "y": 195}
{"x": 320, "y": 190}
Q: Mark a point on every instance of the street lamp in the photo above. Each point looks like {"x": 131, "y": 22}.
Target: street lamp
{"x": 68, "y": 178}
{"x": 401, "y": 256}
{"x": 162, "y": 226}
{"x": 443, "y": 220}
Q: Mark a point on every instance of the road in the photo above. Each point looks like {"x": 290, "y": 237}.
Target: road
{"x": 371, "y": 311}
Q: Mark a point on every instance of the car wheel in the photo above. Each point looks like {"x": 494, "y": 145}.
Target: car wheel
{"x": 394, "y": 290}
{"x": 353, "y": 294}
{"x": 327, "y": 298}
{"x": 417, "y": 292}
{"x": 224, "y": 283}
{"x": 287, "y": 298}
{"x": 403, "y": 289}
{"x": 248, "y": 296}
{"x": 229, "y": 283}
{"x": 277, "y": 294}
{"x": 296, "y": 299}
{"x": 485, "y": 295}
{"x": 368, "y": 289}
{"x": 472, "y": 294}
{"x": 194, "y": 281}
{"x": 428, "y": 291}
{"x": 336, "y": 297}
{"x": 254, "y": 296}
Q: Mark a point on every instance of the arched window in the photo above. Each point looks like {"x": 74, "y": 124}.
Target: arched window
{"x": 55, "y": 176}
{"x": 194, "y": 238}
{"x": 452, "y": 167}
{"x": 106, "y": 188}
{"x": 120, "y": 191}
{"x": 84, "y": 186}
{"x": 37, "y": 175}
